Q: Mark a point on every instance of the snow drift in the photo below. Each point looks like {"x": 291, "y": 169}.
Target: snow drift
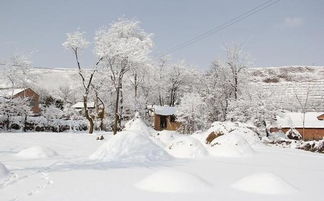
{"x": 230, "y": 145}
{"x": 173, "y": 181}
{"x": 264, "y": 183}
{"x": 130, "y": 146}
{"x": 36, "y": 152}
{"x": 138, "y": 125}
{"x": 4, "y": 172}
{"x": 243, "y": 130}
{"x": 186, "y": 147}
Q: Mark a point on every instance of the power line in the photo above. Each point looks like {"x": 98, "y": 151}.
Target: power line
{"x": 221, "y": 27}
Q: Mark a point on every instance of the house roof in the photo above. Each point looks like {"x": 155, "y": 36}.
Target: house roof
{"x": 80, "y": 105}
{"x": 295, "y": 120}
{"x": 10, "y": 92}
{"x": 163, "y": 110}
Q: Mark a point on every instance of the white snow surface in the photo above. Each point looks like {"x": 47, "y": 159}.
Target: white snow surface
{"x": 139, "y": 126}
{"x": 172, "y": 181}
{"x": 36, "y": 152}
{"x": 241, "y": 129}
{"x": 130, "y": 146}
{"x": 72, "y": 176}
{"x": 295, "y": 120}
{"x": 164, "y": 110}
{"x": 186, "y": 147}
{"x": 264, "y": 183}
{"x": 231, "y": 145}
{"x": 4, "y": 172}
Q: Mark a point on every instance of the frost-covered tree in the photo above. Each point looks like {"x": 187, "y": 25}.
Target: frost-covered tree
{"x": 17, "y": 71}
{"x": 14, "y": 110}
{"x": 191, "y": 112}
{"x": 77, "y": 42}
{"x": 122, "y": 46}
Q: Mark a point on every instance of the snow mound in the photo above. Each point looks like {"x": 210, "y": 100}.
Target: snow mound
{"x": 36, "y": 152}
{"x": 187, "y": 147}
{"x": 164, "y": 137}
{"x": 4, "y": 172}
{"x": 138, "y": 125}
{"x": 231, "y": 145}
{"x": 172, "y": 181}
{"x": 245, "y": 131}
{"x": 264, "y": 183}
{"x": 130, "y": 147}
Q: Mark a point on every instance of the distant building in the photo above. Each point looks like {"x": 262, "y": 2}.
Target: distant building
{"x": 313, "y": 128}
{"x": 79, "y": 106}
{"x": 163, "y": 117}
{"x": 32, "y": 96}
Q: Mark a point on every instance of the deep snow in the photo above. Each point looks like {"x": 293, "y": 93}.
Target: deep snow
{"x": 136, "y": 166}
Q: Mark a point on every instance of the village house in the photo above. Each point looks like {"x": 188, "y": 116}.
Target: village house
{"x": 313, "y": 128}
{"x": 28, "y": 93}
{"x": 163, "y": 117}
{"x": 79, "y": 106}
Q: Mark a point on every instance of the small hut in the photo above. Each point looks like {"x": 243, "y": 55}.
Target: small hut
{"x": 163, "y": 117}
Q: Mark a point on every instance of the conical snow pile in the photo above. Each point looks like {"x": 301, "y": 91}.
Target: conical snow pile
{"x": 128, "y": 146}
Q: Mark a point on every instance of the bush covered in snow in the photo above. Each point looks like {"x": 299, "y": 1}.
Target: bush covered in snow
{"x": 186, "y": 147}
{"x": 231, "y": 145}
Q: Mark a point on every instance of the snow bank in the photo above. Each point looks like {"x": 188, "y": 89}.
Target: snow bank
{"x": 245, "y": 131}
{"x": 173, "y": 181}
{"x": 187, "y": 147}
{"x": 36, "y": 152}
{"x": 230, "y": 145}
{"x": 138, "y": 125}
{"x": 4, "y": 172}
{"x": 130, "y": 146}
{"x": 165, "y": 137}
{"x": 264, "y": 183}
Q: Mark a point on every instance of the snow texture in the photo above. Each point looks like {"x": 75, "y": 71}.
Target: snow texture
{"x": 36, "y": 152}
{"x": 139, "y": 126}
{"x": 129, "y": 146}
{"x": 4, "y": 172}
{"x": 187, "y": 147}
{"x": 173, "y": 181}
{"x": 264, "y": 183}
{"x": 295, "y": 120}
{"x": 231, "y": 145}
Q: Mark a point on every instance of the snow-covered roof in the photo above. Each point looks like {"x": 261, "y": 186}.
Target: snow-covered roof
{"x": 295, "y": 120}
{"x": 80, "y": 105}
{"x": 10, "y": 92}
{"x": 163, "y": 110}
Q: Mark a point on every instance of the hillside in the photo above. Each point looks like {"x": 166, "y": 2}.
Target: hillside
{"x": 281, "y": 83}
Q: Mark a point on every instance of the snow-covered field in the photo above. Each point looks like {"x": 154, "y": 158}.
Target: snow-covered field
{"x": 135, "y": 165}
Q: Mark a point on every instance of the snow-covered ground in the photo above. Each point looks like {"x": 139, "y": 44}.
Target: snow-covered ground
{"x": 164, "y": 166}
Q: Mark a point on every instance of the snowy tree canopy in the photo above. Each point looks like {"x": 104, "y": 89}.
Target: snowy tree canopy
{"x": 75, "y": 41}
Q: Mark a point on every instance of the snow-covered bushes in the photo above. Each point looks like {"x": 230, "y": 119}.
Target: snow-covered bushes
{"x": 186, "y": 147}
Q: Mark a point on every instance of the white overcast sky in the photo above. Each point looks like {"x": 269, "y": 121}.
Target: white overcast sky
{"x": 290, "y": 32}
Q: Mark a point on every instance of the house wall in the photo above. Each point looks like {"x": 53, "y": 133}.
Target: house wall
{"x": 170, "y": 125}
{"x": 28, "y": 93}
{"x": 309, "y": 133}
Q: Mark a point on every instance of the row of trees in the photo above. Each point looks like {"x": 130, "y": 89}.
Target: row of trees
{"x": 125, "y": 79}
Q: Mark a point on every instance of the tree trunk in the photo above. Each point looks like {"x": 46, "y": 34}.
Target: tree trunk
{"x": 86, "y": 114}
{"x": 116, "y": 111}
